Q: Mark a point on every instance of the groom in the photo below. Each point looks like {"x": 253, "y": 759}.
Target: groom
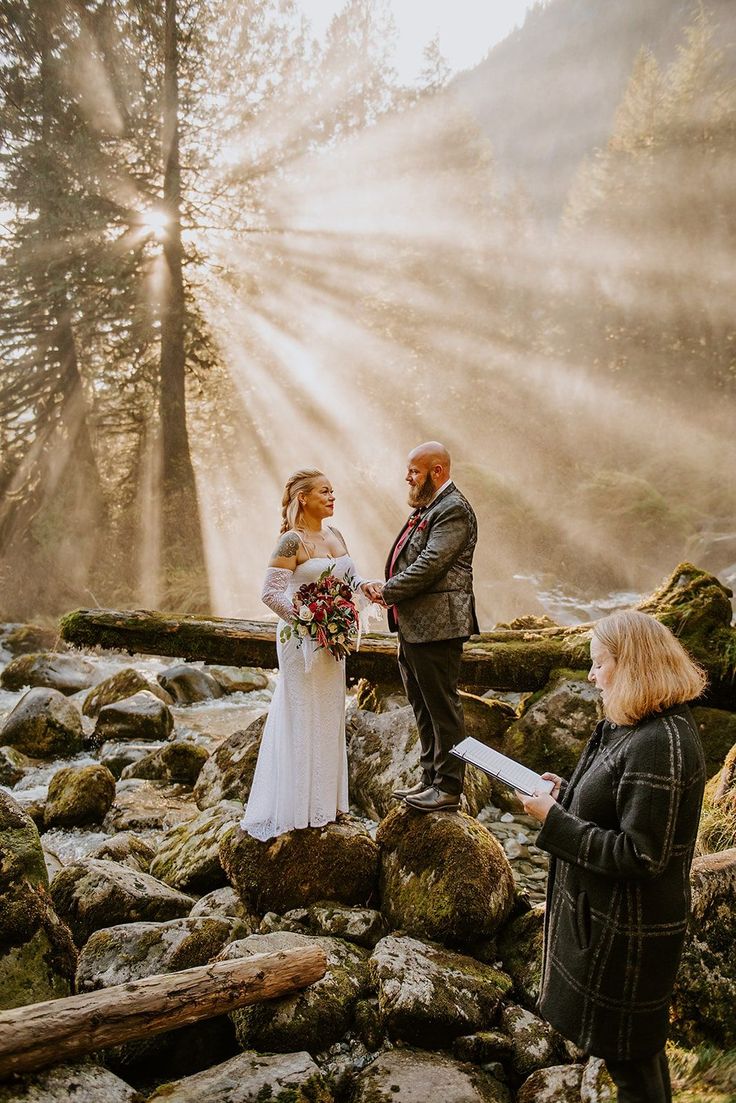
{"x": 429, "y": 594}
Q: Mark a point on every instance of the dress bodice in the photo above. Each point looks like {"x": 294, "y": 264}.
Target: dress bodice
{"x": 311, "y": 569}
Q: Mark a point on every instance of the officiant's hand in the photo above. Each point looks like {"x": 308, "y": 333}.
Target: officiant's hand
{"x": 538, "y": 804}
{"x": 558, "y": 782}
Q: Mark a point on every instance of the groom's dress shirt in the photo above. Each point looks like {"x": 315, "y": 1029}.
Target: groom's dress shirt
{"x": 404, "y": 536}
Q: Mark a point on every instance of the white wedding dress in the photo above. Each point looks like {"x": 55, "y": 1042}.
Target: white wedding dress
{"x": 301, "y": 777}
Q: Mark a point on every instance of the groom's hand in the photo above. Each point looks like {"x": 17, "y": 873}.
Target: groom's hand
{"x": 374, "y": 592}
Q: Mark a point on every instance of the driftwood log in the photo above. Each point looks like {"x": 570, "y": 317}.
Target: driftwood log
{"x": 518, "y": 656}
{"x": 60, "y": 1030}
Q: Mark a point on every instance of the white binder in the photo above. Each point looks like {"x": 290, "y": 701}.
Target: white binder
{"x": 498, "y": 765}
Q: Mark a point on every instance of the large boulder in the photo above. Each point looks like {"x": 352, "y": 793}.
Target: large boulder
{"x": 717, "y": 830}
{"x": 131, "y": 951}
{"x": 705, "y": 989}
{"x": 51, "y": 670}
{"x": 596, "y": 1085}
{"x": 180, "y": 761}
{"x": 228, "y": 772}
{"x": 312, "y": 1017}
{"x": 363, "y": 926}
{"x": 142, "y": 716}
{"x": 96, "y": 893}
{"x": 336, "y": 862}
{"x": 126, "y": 683}
{"x": 556, "y": 724}
{"x": 555, "y": 1084}
{"x": 79, "y": 795}
{"x": 520, "y": 947}
{"x": 413, "y": 1076}
{"x": 443, "y": 876}
{"x": 251, "y": 1078}
{"x": 188, "y": 684}
{"x": 44, "y": 724}
{"x": 384, "y": 755}
{"x": 188, "y": 855}
{"x": 145, "y": 805}
{"x": 717, "y": 729}
{"x": 69, "y": 1083}
{"x": 428, "y": 995}
{"x": 487, "y": 718}
{"x": 37, "y": 955}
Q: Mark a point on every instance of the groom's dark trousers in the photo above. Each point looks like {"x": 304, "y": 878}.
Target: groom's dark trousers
{"x": 429, "y": 592}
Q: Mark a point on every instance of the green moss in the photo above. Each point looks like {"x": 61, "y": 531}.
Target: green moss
{"x": 443, "y": 877}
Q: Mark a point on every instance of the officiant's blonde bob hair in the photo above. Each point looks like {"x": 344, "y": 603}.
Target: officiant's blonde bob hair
{"x": 301, "y": 482}
{"x": 653, "y": 670}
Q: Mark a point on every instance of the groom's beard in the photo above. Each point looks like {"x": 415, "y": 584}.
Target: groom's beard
{"x": 421, "y": 495}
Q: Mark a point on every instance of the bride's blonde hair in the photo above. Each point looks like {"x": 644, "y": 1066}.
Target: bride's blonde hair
{"x": 653, "y": 670}
{"x": 301, "y": 482}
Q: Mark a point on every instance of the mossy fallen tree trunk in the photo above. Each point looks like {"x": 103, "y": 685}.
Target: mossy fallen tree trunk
{"x": 60, "y": 1030}
{"x": 520, "y": 656}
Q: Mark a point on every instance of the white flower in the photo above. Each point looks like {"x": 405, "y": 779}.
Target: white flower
{"x": 306, "y": 614}
{"x": 302, "y": 630}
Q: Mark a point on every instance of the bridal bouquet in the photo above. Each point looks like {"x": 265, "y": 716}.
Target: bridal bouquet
{"x": 325, "y": 614}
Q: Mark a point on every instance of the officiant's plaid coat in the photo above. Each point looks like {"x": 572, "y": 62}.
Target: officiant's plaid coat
{"x": 622, "y": 836}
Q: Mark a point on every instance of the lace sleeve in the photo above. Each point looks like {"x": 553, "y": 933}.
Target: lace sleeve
{"x": 273, "y": 593}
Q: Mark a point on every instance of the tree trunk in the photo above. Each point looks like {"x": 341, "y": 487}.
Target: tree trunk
{"x": 61, "y": 1030}
{"x": 521, "y": 657}
{"x": 182, "y": 549}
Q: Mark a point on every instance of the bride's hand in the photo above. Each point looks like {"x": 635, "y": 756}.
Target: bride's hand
{"x": 373, "y": 591}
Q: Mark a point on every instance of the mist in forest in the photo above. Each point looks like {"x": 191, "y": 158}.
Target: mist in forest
{"x": 229, "y": 251}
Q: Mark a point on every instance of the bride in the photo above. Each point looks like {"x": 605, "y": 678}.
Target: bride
{"x": 301, "y": 776}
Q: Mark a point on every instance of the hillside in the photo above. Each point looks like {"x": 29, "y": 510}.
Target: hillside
{"x": 546, "y": 96}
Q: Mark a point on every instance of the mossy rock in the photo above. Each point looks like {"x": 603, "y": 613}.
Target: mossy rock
{"x": 141, "y": 716}
{"x": 13, "y": 765}
{"x": 554, "y": 1084}
{"x": 705, "y": 988}
{"x": 556, "y": 724}
{"x": 226, "y": 903}
{"x": 533, "y": 1041}
{"x": 96, "y": 893}
{"x": 49, "y": 670}
{"x": 44, "y": 724}
{"x": 37, "y": 955}
{"x": 188, "y": 855}
{"x": 79, "y": 795}
{"x": 380, "y": 696}
{"x": 486, "y": 718}
{"x": 336, "y": 862}
{"x": 409, "y": 1076}
{"x": 717, "y": 828}
{"x": 127, "y": 849}
{"x": 383, "y": 755}
{"x": 228, "y": 772}
{"x": 251, "y": 1078}
{"x": 238, "y": 679}
{"x": 180, "y": 761}
{"x": 130, "y": 951}
{"x": 189, "y": 684}
{"x": 84, "y": 1082}
{"x": 27, "y": 639}
{"x": 717, "y": 729}
{"x": 428, "y": 995}
{"x": 444, "y": 876}
{"x": 520, "y": 946}
{"x": 119, "y": 686}
{"x": 363, "y": 926}
{"x": 313, "y": 1017}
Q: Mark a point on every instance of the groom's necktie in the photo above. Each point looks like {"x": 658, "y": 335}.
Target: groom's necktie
{"x": 405, "y": 534}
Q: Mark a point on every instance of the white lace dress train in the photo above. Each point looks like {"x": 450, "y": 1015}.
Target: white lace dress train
{"x": 301, "y": 777}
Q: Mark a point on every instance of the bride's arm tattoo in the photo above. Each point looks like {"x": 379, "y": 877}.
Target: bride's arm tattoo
{"x": 287, "y": 547}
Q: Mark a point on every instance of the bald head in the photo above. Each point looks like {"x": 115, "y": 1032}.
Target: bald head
{"x": 428, "y": 468}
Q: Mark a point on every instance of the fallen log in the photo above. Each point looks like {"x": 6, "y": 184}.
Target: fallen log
{"x": 519, "y": 656}
{"x": 59, "y": 1030}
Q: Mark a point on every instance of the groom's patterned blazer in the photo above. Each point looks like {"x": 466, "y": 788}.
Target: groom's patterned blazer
{"x": 430, "y": 589}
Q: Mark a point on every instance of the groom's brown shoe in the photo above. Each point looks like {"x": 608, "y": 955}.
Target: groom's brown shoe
{"x": 434, "y": 800}
{"x": 401, "y": 794}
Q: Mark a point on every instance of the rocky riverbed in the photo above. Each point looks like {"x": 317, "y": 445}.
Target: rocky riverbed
{"x": 122, "y": 780}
